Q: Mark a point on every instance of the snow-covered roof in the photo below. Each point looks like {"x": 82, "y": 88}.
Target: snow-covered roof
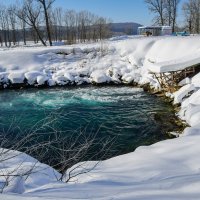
{"x": 155, "y": 27}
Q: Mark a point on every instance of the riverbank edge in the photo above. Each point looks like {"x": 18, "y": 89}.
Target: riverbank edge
{"x": 176, "y": 108}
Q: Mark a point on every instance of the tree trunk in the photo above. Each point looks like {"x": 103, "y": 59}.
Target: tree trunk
{"x": 47, "y": 23}
{"x": 39, "y": 36}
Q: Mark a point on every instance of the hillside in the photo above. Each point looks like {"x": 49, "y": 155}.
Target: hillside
{"x": 129, "y": 28}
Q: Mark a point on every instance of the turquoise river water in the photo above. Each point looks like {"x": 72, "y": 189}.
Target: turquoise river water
{"x": 123, "y": 113}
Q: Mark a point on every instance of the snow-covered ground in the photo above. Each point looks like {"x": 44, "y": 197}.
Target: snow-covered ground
{"x": 166, "y": 170}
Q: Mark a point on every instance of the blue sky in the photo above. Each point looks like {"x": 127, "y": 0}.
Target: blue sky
{"x": 117, "y": 10}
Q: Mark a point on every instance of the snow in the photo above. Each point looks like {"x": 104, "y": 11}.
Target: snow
{"x": 166, "y": 170}
{"x": 99, "y": 77}
{"x": 4, "y": 77}
{"x": 17, "y": 163}
{"x": 41, "y": 79}
{"x": 180, "y": 94}
{"x": 175, "y": 53}
{"x": 16, "y": 77}
{"x": 32, "y": 76}
{"x": 195, "y": 80}
{"x": 185, "y": 81}
{"x": 175, "y": 65}
{"x": 130, "y": 57}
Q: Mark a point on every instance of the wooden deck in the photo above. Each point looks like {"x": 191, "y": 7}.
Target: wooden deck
{"x": 169, "y": 80}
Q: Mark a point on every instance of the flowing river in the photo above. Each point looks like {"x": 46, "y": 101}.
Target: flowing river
{"x": 125, "y": 114}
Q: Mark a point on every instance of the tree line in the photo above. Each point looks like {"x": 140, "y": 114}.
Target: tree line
{"x": 39, "y": 21}
{"x": 191, "y": 11}
{"x": 166, "y": 13}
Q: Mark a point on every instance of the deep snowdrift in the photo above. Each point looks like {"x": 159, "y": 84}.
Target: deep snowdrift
{"x": 166, "y": 170}
{"x": 110, "y": 61}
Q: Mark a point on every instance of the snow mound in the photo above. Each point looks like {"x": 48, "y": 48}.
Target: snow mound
{"x": 99, "y": 77}
{"x": 16, "y": 77}
{"x": 180, "y": 94}
{"x": 32, "y": 76}
{"x": 17, "y": 167}
{"x": 129, "y": 57}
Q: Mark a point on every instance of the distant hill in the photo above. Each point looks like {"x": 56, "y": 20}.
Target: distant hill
{"x": 128, "y": 28}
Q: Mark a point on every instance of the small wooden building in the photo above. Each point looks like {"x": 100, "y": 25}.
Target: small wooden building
{"x": 155, "y": 30}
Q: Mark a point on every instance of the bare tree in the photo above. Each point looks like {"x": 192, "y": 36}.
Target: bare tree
{"x": 157, "y": 7}
{"x": 30, "y": 13}
{"x": 191, "y": 10}
{"x": 171, "y": 7}
{"x": 67, "y": 154}
{"x": 71, "y": 25}
{"x": 25, "y": 20}
{"x": 165, "y": 11}
{"x": 13, "y": 22}
{"x": 57, "y": 24}
{"x": 22, "y": 24}
{"x": 102, "y": 28}
{"x": 188, "y": 16}
{"x": 46, "y": 4}
{"x": 3, "y": 24}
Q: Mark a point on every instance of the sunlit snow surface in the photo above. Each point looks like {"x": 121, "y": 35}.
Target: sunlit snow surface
{"x": 168, "y": 170}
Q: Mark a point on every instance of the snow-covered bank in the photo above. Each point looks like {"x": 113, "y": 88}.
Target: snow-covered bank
{"x": 122, "y": 61}
{"x": 166, "y": 170}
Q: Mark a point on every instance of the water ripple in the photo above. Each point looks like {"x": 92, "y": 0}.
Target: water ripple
{"x": 122, "y": 112}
